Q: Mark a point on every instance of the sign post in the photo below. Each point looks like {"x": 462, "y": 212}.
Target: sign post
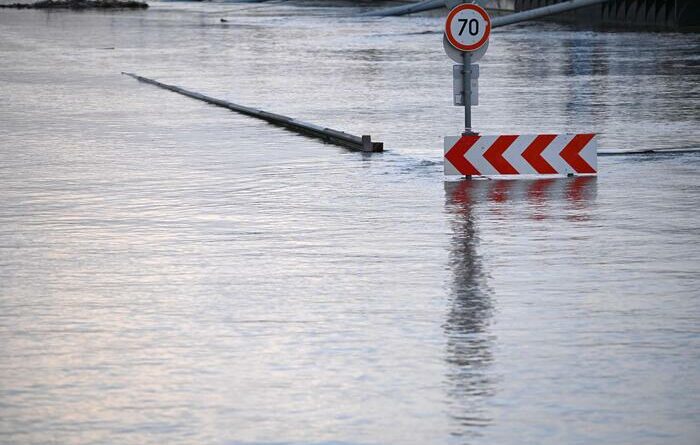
{"x": 466, "y": 38}
{"x": 467, "y": 30}
{"x": 467, "y": 88}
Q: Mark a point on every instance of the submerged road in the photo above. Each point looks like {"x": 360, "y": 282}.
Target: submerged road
{"x": 172, "y": 272}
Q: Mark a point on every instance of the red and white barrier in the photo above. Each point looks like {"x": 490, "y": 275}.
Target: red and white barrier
{"x": 538, "y": 154}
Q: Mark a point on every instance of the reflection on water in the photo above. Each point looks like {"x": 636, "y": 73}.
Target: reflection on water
{"x": 171, "y": 272}
{"x": 542, "y": 196}
{"x": 466, "y": 327}
{"x": 469, "y": 340}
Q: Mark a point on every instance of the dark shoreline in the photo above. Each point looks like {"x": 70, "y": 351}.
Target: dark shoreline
{"x": 79, "y": 4}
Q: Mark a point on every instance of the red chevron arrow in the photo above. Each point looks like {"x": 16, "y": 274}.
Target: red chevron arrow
{"x": 456, "y": 155}
{"x": 570, "y": 153}
{"x": 494, "y": 155}
{"x": 533, "y": 154}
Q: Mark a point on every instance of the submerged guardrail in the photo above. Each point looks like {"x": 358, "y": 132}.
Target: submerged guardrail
{"x": 361, "y": 143}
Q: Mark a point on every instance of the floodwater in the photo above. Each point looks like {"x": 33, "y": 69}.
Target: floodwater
{"x": 172, "y": 272}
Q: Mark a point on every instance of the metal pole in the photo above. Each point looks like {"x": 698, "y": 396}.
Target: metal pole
{"x": 467, "y": 83}
{"x": 544, "y": 11}
{"x": 330, "y": 135}
{"x": 509, "y": 19}
{"x": 425, "y": 5}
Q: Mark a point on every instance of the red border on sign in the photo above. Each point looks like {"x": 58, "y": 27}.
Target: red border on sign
{"x": 448, "y": 31}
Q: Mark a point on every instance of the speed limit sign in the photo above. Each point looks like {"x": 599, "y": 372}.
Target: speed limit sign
{"x": 468, "y": 27}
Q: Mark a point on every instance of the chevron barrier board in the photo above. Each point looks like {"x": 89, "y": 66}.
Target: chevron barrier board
{"x": 538, "y": 154}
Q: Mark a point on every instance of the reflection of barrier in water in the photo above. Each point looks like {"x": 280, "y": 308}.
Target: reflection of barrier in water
{"x": 469, "y": 342}
{"x": 568, "y": 194}
{"x": 468, "y": 354}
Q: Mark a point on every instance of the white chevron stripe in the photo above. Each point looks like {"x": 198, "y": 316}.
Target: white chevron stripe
{"x": 514, "y": 154}
{"x": 551, "y": 154}
{"x": 476, "y": 155}
{"x": 590, "y": 153}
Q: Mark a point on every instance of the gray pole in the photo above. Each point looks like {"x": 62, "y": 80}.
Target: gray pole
{"x": 467, "y": 83}
{"x": 425, "y": 5}
{"x": 363, "y": 143}
{"x": 544, "y": 11}
{"x": 509, "y": 19}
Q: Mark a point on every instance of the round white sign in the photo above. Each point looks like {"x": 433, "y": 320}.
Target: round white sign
{"x": 468, "y": 27}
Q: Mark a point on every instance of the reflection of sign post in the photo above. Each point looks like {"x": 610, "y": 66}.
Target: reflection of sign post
{"x": 467, "y": 29}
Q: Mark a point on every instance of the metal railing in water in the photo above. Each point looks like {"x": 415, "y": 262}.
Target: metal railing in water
{"x": 361, "y": 143}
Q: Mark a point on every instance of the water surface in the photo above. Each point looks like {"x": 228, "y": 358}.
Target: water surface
{"x": 172, "y": 272}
